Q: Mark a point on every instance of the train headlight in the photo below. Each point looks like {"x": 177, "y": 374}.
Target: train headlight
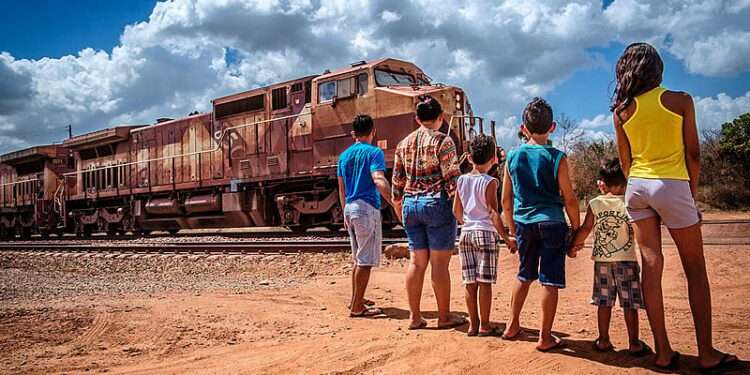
{"x": 458, "y": 97}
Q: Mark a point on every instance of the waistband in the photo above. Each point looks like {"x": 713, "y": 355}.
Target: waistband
{"x": 439, "y": 194}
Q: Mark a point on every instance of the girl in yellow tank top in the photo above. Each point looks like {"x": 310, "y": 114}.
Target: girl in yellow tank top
{"x": 657, "y": 140}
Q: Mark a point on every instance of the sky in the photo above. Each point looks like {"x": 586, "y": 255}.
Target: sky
{"x": 94, "y": 64}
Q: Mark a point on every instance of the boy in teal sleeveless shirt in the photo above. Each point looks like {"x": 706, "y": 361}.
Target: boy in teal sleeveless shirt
{"x": 535, "y": 176}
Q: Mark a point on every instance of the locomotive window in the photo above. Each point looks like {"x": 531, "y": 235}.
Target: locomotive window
{"x": 326, "y": 91}
{"x": 104, "y": 150}
{"x": 388, "y": 78}
{"x": 278, "y": 98}
{"x": 345, "y": 88}
{"x": 87, "y": 154}
{"x": 308, "y": 91}
{"x": 297, "y": 87}
{"x": 253, "y": 103}
{"x": 362, "y": 84}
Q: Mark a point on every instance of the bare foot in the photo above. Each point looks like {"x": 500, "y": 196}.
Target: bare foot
{"x": 664, "y": 359}
{"x": 548, "y": 343}
{"x": 715, "y": 358}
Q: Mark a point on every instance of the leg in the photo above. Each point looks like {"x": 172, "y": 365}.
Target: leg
{"x": 603, "y": 317}
{"x": 648, "y": 236}
{"x": 485, "y": 305}
{"x": 549, "y": 309}
{"x": 517, "y": 299}
{"x": 441, "y": 284}
{"x": 631, "y": 322}
{"x": 471, "y": 306}
{"x": 690, "y": 246}
{"x": 414, "y": 283}
{"x": 361, "y": 279}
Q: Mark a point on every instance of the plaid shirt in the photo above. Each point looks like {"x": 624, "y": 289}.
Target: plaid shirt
{"x": 425, "y": 162}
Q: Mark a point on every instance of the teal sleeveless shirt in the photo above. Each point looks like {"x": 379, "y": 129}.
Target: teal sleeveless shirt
{"x": 536, "y": 193}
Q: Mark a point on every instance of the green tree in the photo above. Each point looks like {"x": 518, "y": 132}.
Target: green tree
{"x": 735, "y": 142}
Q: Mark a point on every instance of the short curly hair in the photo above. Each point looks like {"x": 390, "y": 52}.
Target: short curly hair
{"x": 537, "y": 116}
{"x": 362, "y": 125}
{"x": 610, "y": 172}
{"x": 482, "y": 148}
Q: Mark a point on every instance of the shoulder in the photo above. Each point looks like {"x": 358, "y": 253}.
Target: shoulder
{"x": 676, "y": 101}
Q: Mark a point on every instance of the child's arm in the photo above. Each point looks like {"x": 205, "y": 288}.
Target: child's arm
{"x": 458, "y": 209}
{"x": 490, "y": 196}
{"x": 569, "y": 196}
{"x": 508, "y": 207}
{"x": 582, "y": 234}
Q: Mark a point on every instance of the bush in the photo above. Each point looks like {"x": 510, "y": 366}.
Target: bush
{"x": 584, "y": 159}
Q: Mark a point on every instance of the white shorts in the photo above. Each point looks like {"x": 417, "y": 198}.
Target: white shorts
{"x": 365, "y": 232}
{"x": 670, "y": 200}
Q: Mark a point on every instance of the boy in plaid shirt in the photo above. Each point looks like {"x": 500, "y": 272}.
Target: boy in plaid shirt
{"x": 475, "y": 207}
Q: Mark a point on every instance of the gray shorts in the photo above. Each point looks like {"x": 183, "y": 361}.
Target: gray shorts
{"x": 365, "y": 232}
{"x": 670, "y": 200}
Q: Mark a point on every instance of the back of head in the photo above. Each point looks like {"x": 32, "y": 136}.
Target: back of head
{"x": 611, "y": 173}
{"x": 428, "y": 108}
{"x": 537, "y": 116}
{"x": 362, "y": 125}
{"x": 638, "y": 70}
{"x": 482, "y": 149}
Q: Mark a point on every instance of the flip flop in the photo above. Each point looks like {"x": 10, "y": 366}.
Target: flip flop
{"x": 455, "y": 322}
{"x": 600, "y": 349}
{"x": 493, "y": 332}
{"x": 671, "y": 367}
{"x": 472, "y": 333}
{"x": 365, "y": 302}
{"x": 511, "y": 338}
{"x": 421, "y": 325}
{"x": 727, "y": 363}
{"x": 645, "y": 350}
{"x": 367, "y": 312}
{"x": 558, "y": 345}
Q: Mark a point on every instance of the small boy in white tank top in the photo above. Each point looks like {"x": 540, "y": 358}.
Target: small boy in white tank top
{"x": 475, "y": 207}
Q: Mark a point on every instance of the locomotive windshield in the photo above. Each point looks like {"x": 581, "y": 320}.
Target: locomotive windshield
{"x": 388, "y": 78}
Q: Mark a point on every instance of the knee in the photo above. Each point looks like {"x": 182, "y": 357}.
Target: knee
{"x": 652, "y": 260}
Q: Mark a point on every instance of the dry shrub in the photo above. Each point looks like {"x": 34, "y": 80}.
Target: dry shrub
{"x": 585, "y": 157}
{"x": 723, "y": 184}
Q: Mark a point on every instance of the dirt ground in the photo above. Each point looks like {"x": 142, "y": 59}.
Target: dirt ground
{"x": 290, "y": 317}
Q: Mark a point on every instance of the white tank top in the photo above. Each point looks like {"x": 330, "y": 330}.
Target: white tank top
{"x": 471, "y": 190}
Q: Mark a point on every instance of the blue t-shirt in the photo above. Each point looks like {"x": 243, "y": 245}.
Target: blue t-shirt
{"x": 356, "y": 165}
{"x": 536, "y": 193}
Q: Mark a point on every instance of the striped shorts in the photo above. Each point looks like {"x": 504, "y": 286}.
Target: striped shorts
{"x": 477, "y": 250}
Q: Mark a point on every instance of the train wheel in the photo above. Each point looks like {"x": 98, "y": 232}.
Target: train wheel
{"x": 144, "y": 232}
{"x": 44, "y": 233}
{"x": 10, "y": 233}
{"x": 333, "y": 227}
{"x": 87, "y": 230}
{"x": 298, "y": 228}
{"x": 173, "y": 232}
{"x": 26, "y": 232}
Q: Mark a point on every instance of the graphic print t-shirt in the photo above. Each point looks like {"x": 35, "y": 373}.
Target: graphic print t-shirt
{"x": 613, "y": 236}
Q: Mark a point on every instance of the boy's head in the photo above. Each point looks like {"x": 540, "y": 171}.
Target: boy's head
{"x": 428, "y": 109}
{"x": 482, "y": 149}
{"x": 610, "y": 174}
{"x": 537, "y": 116}
{"x": 362, "y": 126}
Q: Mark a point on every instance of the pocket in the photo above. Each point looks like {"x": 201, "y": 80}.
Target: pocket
{"x": 554, "y": 235}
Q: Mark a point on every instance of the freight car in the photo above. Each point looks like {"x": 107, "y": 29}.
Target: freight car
{"x": 264, "y": 157}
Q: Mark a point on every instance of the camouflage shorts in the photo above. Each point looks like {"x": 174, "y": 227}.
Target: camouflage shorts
{"x": 617, "y": 278}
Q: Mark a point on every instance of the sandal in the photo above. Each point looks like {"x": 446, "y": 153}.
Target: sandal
{"x": 455, "y": 322}
{"x": 493, "y": 332}
{"x": 366, "y": 302}
{"x": 671, "y": 367}
{"x": 367, "y": 312}
{"x": 511, "y": 338}
{"x": 472, "y": 333}
{"x": 645, "y": 350}
{"x": 727, "y": 363}
{"x": 599, "y": 349}
{"x": 422, "y": 324}
{"x": 559, "y": 344}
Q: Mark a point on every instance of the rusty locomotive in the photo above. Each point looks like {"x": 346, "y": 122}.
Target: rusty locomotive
{"x": 264, "y": 157}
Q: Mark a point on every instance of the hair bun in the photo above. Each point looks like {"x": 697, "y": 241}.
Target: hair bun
{"x": 428, "y": 108}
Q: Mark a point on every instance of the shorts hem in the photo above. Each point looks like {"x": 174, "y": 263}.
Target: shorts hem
{"x": 526, "y": 280}
{"x": 605, "y": 304}
{"x": 366, "y": 265}
{"x": 487, "y": 281}
{"x": 682, "y": 226}
{"x": 554, "y": 285}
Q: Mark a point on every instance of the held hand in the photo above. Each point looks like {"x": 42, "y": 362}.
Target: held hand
{"x": 574, "y": 249}
{"x": 512, "y": 245}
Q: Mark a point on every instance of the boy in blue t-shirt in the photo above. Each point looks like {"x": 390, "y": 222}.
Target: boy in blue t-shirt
{"x": 361, "y": 174}
{"x": 536, "y": 174}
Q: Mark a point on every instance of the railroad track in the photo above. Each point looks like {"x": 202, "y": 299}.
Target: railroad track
{"x": 195, "y": 248}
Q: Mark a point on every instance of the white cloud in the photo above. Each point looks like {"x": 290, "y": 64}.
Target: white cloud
{"x": 712, "y": 112}
{"x": 598, "y": 122}
{"x": 501, "y": 52}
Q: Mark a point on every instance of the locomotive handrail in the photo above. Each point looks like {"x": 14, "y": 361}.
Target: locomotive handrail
{"x": 222, "y": 133}
{"x": 19, "y": 182}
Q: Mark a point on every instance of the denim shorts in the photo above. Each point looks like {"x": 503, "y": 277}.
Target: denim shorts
{"x": 429, "y": 222}
{"x": 542, "y": 247}
{"x": 365, "y": 228}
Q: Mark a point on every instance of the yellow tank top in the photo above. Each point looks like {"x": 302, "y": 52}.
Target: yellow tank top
{"x": 656, "y": 141}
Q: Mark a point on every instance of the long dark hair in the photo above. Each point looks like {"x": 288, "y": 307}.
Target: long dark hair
{"x": 638, "y": 70}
